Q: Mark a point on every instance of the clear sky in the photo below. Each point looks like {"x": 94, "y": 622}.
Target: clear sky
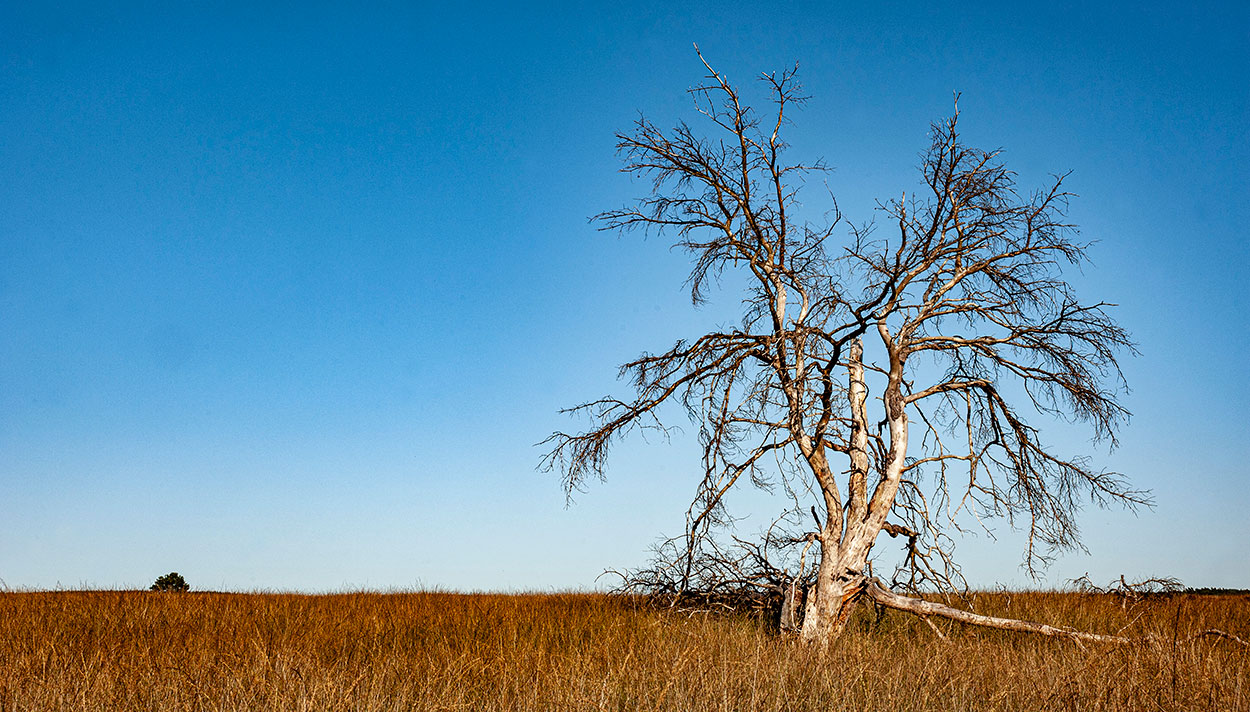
{"x": 288, "y": 291}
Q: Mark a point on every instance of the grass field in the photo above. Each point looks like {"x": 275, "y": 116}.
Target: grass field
{"x": 121, "y": 650}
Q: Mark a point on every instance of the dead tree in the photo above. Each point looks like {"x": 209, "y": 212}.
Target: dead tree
{"x": 889, "y": 370}
{"x": 1129, "y": 594}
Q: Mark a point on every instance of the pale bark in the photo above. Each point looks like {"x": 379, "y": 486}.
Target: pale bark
{"x": 841, "y": 577}
{"x": 831, "y": 605}
{"x": 791, "y": 607}
{"x": 857, "y": 390}
{"x": 923, "y": 608}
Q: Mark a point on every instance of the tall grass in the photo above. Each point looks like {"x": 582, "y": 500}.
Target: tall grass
{"x": 442, "y": 651}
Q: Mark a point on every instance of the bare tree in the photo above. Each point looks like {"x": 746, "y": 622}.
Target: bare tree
{"x": 885, "y": 376}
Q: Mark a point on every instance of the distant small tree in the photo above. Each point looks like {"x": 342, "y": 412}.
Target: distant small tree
{"x": 172, "y": 581}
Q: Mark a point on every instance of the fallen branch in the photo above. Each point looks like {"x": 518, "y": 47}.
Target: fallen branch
{"x": 941, "y": 636}
{"x": 921, "y": 608}
{"x": 1219, "y": 634}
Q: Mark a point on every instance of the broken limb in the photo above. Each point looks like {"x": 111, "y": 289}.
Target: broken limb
{"x": 921, "y": 608}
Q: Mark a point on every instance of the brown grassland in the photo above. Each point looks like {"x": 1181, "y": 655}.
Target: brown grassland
{"x": 119, "y": 650}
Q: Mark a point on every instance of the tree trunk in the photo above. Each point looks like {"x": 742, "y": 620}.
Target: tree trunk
{"x": 832, "y": 601}
{"x": 840, "y": 580}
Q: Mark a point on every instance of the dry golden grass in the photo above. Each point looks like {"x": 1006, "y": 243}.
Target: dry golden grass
{"x": 440, "y": 651}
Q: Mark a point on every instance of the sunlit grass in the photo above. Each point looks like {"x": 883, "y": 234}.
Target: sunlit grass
{"x": 442, "y": 651}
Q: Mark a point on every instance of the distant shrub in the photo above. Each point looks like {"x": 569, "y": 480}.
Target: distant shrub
{"x": 172, "y": 581}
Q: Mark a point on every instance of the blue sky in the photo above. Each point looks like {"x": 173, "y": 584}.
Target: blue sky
{"x": 288, "y": 293}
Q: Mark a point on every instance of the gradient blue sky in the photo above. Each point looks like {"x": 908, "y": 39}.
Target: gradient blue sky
{"x": 288, "y": 293}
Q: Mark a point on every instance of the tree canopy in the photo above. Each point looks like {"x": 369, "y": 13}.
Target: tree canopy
{"x": 886, "y": 376}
